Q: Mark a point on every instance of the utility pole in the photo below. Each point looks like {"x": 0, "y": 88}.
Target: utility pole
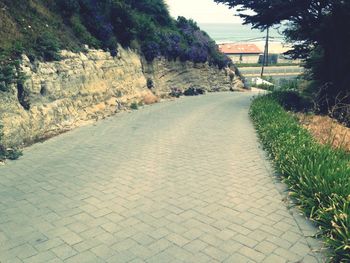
{"x": 266, "y": 53}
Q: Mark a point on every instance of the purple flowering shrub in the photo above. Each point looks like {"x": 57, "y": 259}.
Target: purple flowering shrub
{"x": 150, "y": 50}
{"x": 200, "y": 47}
{"x": 144, "y": 25}
{"x": 171, "y": 45}
{"x": 186, "y": 42}
{"x": 198, "y": 54}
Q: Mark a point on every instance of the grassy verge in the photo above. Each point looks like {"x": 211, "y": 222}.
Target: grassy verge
{"x": 317, "y": 175}
{"x": 248, "y": 65}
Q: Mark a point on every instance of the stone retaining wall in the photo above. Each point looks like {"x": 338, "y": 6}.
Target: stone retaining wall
{"x": 61, "y": 95}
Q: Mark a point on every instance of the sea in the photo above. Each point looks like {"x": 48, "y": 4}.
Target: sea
{"x": 235, "y": 33}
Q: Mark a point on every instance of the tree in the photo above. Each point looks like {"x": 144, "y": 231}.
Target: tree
{"x": 154, "y": 8}
{"x": 68, "y": 7}
{"x": 319, "y": 30}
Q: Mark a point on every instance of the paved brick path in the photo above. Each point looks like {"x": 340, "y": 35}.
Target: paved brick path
{"x": 181, "y": 181}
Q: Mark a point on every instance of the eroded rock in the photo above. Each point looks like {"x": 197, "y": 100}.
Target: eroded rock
{"x": 58, "y": 96}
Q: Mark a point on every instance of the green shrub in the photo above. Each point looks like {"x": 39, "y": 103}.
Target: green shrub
{"x": 292, "y": 100}
{"x": 291, "y": 85}
{"x": 2, "y": 149}
{"x": 82, "y": 33}
{"x": 7, "y": 76}
{"x": 11, "y": 154}
{"x": 150, "y": 83}
{"x": 266, "y": 87}
{"x": 48, "y": 47}
{"x": 70, "y": 24}
{"x": 317, "y": 175}
{"x": 17, "y": 49}
{"x": 134, "y": 106}
{"x": 269, "y": 79}
{"x": 194, "y": 91}
{"x": 176, "y": 92}
{"x": 68, "y": 7}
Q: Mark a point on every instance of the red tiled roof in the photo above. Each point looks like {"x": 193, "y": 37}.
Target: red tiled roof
{"x": 239, "y": 49}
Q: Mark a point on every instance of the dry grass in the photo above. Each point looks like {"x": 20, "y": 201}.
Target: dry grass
{"x": 326, "y": 130}
{"x": 149, "y": 98}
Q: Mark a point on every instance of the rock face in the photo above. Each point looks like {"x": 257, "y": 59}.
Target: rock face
{"x": 168, "y": 75}
{"x": 61, "y": 95}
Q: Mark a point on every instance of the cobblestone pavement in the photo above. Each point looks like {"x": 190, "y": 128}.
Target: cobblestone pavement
{"x": 181, "y": 181}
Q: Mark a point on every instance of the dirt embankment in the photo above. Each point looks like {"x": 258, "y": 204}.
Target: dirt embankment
{"x": 327, "y": 130}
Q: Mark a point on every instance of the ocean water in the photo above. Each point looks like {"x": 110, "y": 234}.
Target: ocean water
{"x": 232, "y": 33}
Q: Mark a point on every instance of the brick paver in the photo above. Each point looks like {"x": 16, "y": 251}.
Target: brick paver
{"x": 182, "y": 181}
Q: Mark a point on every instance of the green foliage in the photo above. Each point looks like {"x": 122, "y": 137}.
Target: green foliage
{"x": 176, "y": 92}
{"x": 134, "y": 106}
{"x": 155, "y": 8}
{"x": 11, "y": 154}
{"x": 9, "y": 73}
{"x": 247, "y": 65}
{"x": 217, "y": 58}
{"x": 182, "y": 22}
{"x": 293, "y": 85}
{"x": 269, "y": 79}
{"x": 320, "y": 33}
{"x": 145, "y": 28}
{"x": 48, "y": 47}
{"x": 292, "y": 100}
{"x": 150, "y": 83}
{"x": 7, "y": 76}
{"x": 43, "y": 27}
{"x": 82, "y": 33}
{"x": 286, "y": 84}
{"x": 194, "y": 91}
{"x": 142, "y": 24}
{"x": 2, "y": 149}
{"x": 68, "y": 7}
{"x": 318, "y": 176}
{"x": 266, "y": 87}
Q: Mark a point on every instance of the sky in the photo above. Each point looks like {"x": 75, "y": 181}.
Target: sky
{"x": 202, "y": 11}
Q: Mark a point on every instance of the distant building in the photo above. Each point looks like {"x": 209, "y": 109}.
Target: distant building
{"x": 241, "y": 53}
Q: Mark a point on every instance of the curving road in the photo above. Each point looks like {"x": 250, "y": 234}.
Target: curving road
{"x": 181, "y": 181}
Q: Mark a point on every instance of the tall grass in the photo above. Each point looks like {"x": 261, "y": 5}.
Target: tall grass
{"x": 317, "y": 175}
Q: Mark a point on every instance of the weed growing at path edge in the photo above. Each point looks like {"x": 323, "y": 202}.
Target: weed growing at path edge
{"x": 134, "y": 106}
{"x": 5, "y": 153}
{"x": 317, "y": 175}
